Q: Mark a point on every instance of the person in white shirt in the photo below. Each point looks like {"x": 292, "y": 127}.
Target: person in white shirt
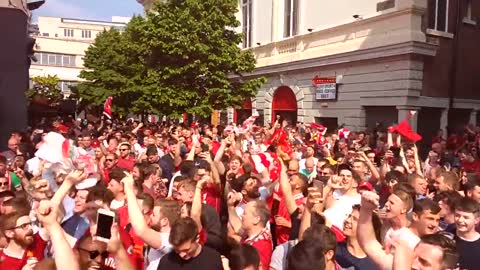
{"x": 165, "y": 213}
{"x": 341, "y": 195}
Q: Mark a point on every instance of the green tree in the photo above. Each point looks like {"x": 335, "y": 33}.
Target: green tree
{"x": 182, "y": 57}
{"x": 45, "y": 90}
{"x": 107, "y": 72}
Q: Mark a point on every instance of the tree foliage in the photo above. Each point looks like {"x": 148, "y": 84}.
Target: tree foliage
{"x": 183, "y": 56}
{"x": 47, "y": 88}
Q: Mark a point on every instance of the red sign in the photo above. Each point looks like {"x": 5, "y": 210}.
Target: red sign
{"x": 319, "y": 80}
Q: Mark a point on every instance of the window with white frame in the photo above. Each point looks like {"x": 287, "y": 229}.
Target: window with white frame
{"x": 438, "y": 15}
{"x": 68, "y": 32}
{"x": 86, "y": 34}
{"x": 247, "y": 22}
{"x": 65, "y": 86}
{"x": 291, "y": 18}
{"x": 55, "y": 59}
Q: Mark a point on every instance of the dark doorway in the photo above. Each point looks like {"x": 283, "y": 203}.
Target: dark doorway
{"x": 284, "y": 104}
{"x": 457, "y": 120}
{"x": 331, "y": 123}
{"x": 385, "y": 116}
{"x": 428, "y": 124}
{"x": 240, "y": 115}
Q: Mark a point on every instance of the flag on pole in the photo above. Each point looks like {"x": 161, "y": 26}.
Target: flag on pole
{"x": 107, "y": 108}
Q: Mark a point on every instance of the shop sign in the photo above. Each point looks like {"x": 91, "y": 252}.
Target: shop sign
{"x": 325, "y": 88}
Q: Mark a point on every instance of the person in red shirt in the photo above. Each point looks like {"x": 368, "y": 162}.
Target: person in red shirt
{"x": 212, "y": 192}
{"x": 283, "y": 220}
{"x": 125, "y": 161}
{"x": 468, "y": 162}
{"x": 110, "y": 163}
{"x": 254, "y": 227}
{"x": 22, "y": 242}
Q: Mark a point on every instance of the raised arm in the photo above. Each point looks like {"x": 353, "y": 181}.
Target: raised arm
{"x": 218, "y": 158}
{"x": 371, "y": 167}
{"x": 115, "y": 247}
{"x": 47, "y": 214}
{"x": 144, "y": 232}
{"x": 418, "y": 166}
{"x": 287, "y": 191}
{"x": 71, "y": 179}
{"x": 196, "y": 211}
{"x": 366, "y": 233}
{"x": 177, "y": 159}
{"x": 314, "y": 204}
{"x": 233, "y": 219}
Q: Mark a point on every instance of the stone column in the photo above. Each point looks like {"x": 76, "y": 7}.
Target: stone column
{"x": 403, "y": 112}
{"x": 275, "y": 19}
{"x": 473, "y": 118}
{"x": 444, "y": 123}
{"x": 301, "y": 20}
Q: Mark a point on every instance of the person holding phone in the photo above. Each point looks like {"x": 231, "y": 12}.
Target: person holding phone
{"x": 164, "y": 214}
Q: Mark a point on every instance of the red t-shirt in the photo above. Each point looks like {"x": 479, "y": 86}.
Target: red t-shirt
{"x": 202, "y": 236}
{"x": 471, "y": 166}
{"x": 136, "y": 242}
{"x": 106, "y": 175}
{"x": 128, "y": 245}
{"x": 211, "y": 196}
{"x": 36, "y": 249}
{"x": 263, "y": 244}
{"x": 283, "y": 233}
{"x": 126, "y": 164}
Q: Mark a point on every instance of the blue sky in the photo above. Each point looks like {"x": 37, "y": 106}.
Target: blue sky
{"x": 89, "y": 9}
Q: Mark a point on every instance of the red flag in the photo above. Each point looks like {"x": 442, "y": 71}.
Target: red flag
{"x": 151, "y": 118}
{"x": 107, "y": 108}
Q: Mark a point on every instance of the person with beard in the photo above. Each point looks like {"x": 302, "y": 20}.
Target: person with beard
{"x": 156, "y": 236}
{"x": 248, "y": 188}
{"x": 22, "y": 242}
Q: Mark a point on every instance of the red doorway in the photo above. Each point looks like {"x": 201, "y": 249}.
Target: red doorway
{"x": 284, "y": 104}
{"x": 240, "y": 115}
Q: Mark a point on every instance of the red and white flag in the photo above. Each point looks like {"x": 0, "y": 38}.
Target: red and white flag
{"x": 107, "y": 108}
{"x": 151, "y": 118}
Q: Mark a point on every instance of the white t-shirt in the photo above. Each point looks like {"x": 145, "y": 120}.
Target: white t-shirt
{"x": 341, "y": 208}
{"x": 155, "y": 255}
{"x": 114, "y": 205}
{"x": 404, "y": 234}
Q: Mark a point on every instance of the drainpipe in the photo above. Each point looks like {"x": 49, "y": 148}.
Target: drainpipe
{"x": 454, "y": 60}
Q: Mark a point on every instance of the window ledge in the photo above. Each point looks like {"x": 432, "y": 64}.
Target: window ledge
{"x": 469, "y": 21}
{"x": 439, "y": 33}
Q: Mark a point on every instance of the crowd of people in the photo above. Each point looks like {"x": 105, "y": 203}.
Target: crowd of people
{"x": 237, "y": 197}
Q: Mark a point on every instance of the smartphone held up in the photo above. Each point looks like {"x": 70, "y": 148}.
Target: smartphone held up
{"x": 105, "y": 219}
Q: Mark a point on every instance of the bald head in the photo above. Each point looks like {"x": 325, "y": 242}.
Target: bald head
{"x": 293, "y": 167}
{"x": 309, "y": 165}
{"x": 13, "y": 144}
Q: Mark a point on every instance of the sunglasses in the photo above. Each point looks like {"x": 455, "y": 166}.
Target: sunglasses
{"x": 23, "y": 226}
{"x": 95, "y": 253}
{"x": 109, "y": 160}
{"x": 3, "y": 184}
